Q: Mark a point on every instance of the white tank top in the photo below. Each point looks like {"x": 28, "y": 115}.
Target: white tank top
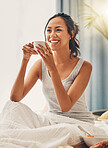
{"x": 79, "y": 110}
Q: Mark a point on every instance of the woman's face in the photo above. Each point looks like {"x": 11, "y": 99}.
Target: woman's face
{"x": 57, "y": 34}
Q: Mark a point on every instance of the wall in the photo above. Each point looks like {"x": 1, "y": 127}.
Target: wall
{"x": 21, "y": 21}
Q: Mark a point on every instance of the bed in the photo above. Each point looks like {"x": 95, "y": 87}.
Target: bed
{"x": 62, "y": 135}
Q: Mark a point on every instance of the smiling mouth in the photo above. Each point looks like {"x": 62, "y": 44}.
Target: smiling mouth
{"x": 54, "y": 41}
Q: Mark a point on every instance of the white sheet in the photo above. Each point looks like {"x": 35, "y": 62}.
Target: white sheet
{"x": 20, "y": 128}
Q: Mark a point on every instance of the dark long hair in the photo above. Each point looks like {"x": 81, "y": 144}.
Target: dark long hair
{"x": 71, "y": 25}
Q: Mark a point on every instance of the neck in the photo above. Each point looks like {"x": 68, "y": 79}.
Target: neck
{"x": 62, "y": 57}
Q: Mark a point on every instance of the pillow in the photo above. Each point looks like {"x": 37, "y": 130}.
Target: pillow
{"x": 104, "y": 115}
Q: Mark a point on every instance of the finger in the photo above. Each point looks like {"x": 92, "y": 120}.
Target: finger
{"x": 33, "y": 51}
{"x": 38, "y": 51}
{"x": 24, "y": 49}
{"x": 28, "y": 50}
{"x": 48, "y": 47}
{"x": 41, "y": 51}
{"x": 31, "y": 45}
{"x": 44, "y": 49}
{"x": 26, "y": 46}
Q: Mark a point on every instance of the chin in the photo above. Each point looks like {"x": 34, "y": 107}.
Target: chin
{"x": 53, "y": 49}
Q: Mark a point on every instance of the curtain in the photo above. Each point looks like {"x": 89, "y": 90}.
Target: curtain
{"x": 94, "y": 48}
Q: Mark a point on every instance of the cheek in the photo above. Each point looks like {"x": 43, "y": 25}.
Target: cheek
{"x": 66, "y": 37}
{"x": 65, "y": 40}
{"x": 47, "y": 37}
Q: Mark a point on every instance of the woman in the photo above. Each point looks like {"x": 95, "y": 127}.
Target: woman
{"x": 64, "y": 77}
{"x": 68, "y": 75}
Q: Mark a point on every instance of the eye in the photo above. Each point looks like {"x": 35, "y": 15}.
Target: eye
{"x": 48, "y": 30}
{"x": 59, "y": 30}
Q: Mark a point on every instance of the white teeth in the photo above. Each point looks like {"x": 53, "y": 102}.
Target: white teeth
{"x": 54, "y": 41}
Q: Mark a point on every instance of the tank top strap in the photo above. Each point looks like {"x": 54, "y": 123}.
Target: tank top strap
{"x": 78, "y": 67}
{"x": 71, "y": 76}
{"x": 44, "y": 70}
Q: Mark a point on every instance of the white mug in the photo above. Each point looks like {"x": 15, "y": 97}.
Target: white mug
{"x": 38, "y": 42}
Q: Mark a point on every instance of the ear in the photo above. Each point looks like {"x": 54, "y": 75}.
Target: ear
{"x": 73, "y": 33}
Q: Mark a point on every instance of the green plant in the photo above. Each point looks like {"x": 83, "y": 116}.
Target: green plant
{"x": 99, "y": 22}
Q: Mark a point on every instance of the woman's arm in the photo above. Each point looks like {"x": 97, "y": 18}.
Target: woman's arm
{"x": 21, "y": 87}
{"x": 68, "y": 99}
{"x": 17, "y": 89}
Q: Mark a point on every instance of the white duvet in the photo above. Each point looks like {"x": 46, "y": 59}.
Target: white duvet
{"x": 20, "y": 127}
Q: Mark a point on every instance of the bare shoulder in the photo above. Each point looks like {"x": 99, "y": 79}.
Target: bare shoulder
{"x": 87, "y": 66}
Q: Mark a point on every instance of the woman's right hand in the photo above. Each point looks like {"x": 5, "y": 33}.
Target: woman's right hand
{"x": 28, "y": 50}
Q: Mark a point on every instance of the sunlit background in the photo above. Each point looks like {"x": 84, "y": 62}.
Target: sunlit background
{"x": 23, "y": 21}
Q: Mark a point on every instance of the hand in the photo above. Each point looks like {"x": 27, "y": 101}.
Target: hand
{"x": 47, "y": 56}
{"x": 28, "y": 50}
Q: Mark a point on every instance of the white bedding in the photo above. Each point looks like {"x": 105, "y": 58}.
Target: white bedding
{"x": 19, "y": 129}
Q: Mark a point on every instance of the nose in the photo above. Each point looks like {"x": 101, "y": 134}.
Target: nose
{"x": 53, "y": 34}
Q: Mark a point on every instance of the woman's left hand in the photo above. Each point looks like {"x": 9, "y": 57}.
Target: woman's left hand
{"x": 47, "y": 56}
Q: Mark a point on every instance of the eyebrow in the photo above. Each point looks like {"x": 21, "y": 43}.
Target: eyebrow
{"x": 56, "y": 27}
